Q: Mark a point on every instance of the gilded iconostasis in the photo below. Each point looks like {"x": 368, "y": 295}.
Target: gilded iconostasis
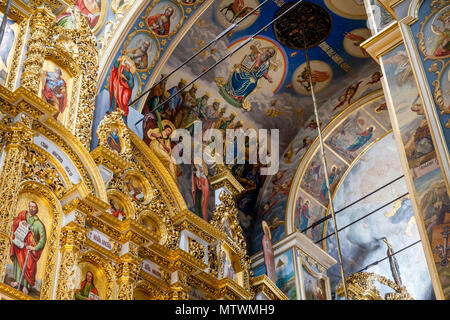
{"x": 102, "y": 109}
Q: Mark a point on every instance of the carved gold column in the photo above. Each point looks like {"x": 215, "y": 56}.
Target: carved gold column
{"x": 127, "y": 270}
{"x": 73, "y": 236}
{"x": 10, "y": 178}
{"x": 40, "y": 26}
{"x": 179, "y": 290}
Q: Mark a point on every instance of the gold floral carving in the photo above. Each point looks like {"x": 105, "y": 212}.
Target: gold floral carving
{"x": 127, "y": 271}
{"x": 15, "y": 151}
{"x": 213, "y": 262}
{"x": 361, "y": 286}
{"x": 114, "y": 120}
{"x": 37, "y": 168}
{"x": 41, "y": 19}
{"x": 154, "y": 292}
{"x": 227, "y": 210}
{"x": 196, "y": 249}
{"x": 72, "y": 241}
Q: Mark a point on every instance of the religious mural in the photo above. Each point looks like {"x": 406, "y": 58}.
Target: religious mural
{"x": 24, "y": 270}
{"x": 433, "y": 44}
{"x": 6, "y": 49}
{"x": 285, "y": 275}
{"x": 314, "y": 287}
{"x": 56, "y": 88}
{"x": 392, "y": 221}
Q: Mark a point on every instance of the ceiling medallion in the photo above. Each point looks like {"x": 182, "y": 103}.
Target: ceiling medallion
{"x": 307, "y": 22}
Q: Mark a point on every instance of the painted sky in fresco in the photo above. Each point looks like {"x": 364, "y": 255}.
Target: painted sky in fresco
{"x": 361, "y": 243}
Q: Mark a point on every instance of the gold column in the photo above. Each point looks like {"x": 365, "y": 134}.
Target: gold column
{"x": 10, "y": 178}
{"x": 127, "y": 270}
{"x": 179, "y": 290}
{"x": 41, "y": 20}
{"x": 73, "y": 236}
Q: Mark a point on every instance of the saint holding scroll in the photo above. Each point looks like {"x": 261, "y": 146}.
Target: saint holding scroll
{"x": 28, "y": 242}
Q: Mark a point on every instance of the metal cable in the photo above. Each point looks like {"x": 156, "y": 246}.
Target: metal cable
{"x": 363, "y": 217}
{"x": 350, "y": 205}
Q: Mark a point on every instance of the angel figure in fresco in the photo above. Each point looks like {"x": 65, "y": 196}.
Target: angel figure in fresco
{"x": 443, "y": 47}
{"x": 302, "y": 214}
{"x": 331, "y": 177}
{"x": 238, "y": 10}
{"x": 245, "y": 76}
{"x": 87, "y": 290}
{"x": 28, "y": 242}
{"x": 54, "y": 89}
{"x": 269, "y": 259}
{"x": 357, "y": 40}
{"x": 317, "y": 77}
{"x": 160, "y": 23}
{"x": 362, "y": 139}
{"x": 200, "y": 190}
{"x": 347, "y": 96}
{"x": 121, "y": 84}
{"x": 162, "y": 147}
{"x": 268, "y": 207}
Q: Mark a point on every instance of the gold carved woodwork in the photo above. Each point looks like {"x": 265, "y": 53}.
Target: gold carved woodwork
{"x": 224, "y": 178}
{"x": 37, "y": 43}
{"x": 361, "y": 286}
{"x": 127, "y": 271}
{"x": 196, "y": 249}
{"x": 10, "y": 178}
{"x": 73, "y": 237}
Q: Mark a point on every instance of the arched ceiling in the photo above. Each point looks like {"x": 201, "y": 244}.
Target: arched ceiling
{"x": 278, "y": 99}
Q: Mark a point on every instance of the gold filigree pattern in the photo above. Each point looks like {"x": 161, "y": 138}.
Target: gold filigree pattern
{"x": 196, "y": 249}
{"x": 361, "y": 286}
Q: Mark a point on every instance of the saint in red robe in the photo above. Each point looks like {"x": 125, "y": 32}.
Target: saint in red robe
{"x": 32, "y": 239}
{"x": 155, "y": 20}
{"x": 121, "y": 85}
{"x": 269, "y": 257}
{"x": 200, "y": 193}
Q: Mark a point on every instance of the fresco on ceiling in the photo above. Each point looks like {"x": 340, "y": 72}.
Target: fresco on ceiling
{"x": 314, "y": 179}
{"x": 133, "y": 62}
{"x": 362, "y": 243}
{"x": 354, "y": 134}
{"x": 285, "y": 274}
{"x": 433, "y": 45}
{"x": 307, "y": 212}
{"x": 313, "y": 182}
{"x": 7, "y": 47}
{"x": 263, "y": 85}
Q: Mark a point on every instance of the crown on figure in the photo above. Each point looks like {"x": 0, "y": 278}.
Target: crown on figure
{"x": 182, "y": 81}
{"x": 234, "y": 114}
{"x": 207, "y": 94}
{"x": 217, "y": 101}
{"x": 195, "y": 86}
